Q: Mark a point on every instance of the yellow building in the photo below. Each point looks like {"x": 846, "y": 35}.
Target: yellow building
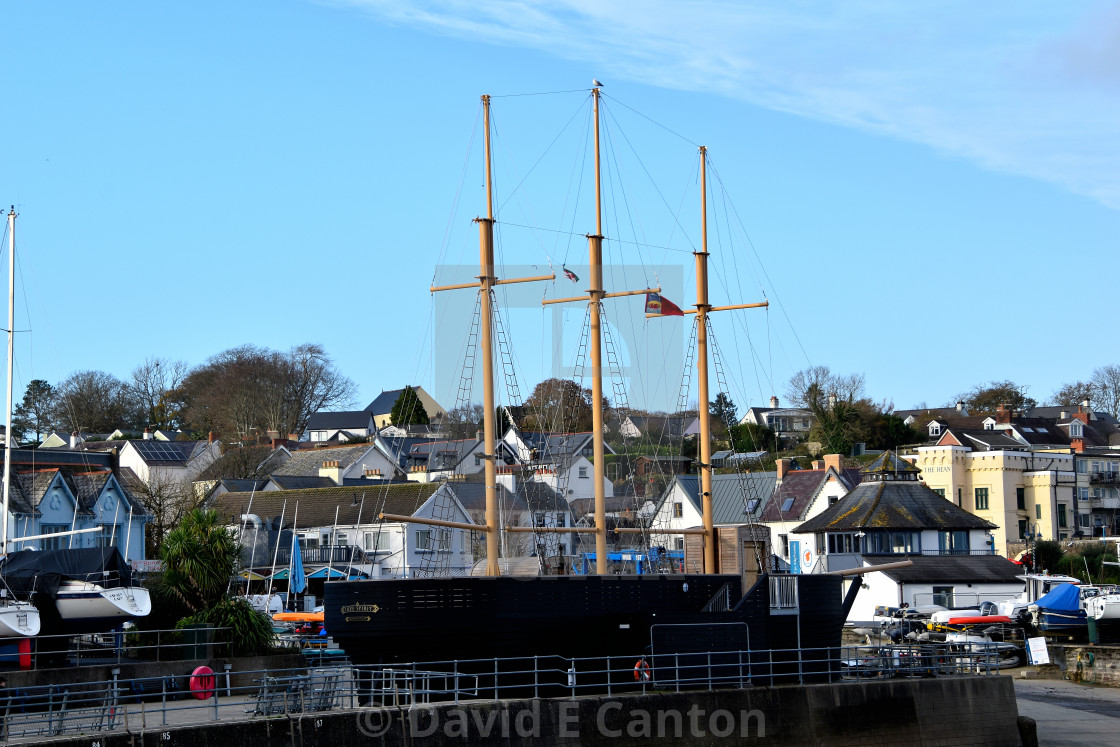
{"x": 989, "y": 474}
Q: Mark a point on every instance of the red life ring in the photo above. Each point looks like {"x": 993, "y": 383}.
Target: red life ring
{"x": 641, "y": 671}
{"x": 202, "y": 683}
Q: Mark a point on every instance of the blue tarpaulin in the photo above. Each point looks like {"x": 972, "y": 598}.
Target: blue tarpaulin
{"x": 1062, "y": 598}
{"x": 298, "y": 582}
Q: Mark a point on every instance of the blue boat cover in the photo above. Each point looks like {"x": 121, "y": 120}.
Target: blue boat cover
{"x": 1062, "y": 598}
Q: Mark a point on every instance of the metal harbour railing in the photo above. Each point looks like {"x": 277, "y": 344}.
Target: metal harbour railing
{"x": 187, "y": 698}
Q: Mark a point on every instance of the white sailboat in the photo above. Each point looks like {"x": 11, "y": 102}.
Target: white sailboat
{"x": 96, "y": 600}
{"x": 17, "y": 619}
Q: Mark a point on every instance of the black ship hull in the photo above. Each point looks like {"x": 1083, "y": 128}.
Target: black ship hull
{"x": 387, "y": 622}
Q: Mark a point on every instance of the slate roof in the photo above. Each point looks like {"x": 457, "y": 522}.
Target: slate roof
{"x": 551, "y": 446}
{"x": 238, "y": 463}
{"x": 473, "y": 497}
{"x": 541, "y": 497}
{"x": 301, "y": 482}
{"x": 972, "y": 569}
{"x": 401, "y": 448}
{"x": 307, "y": 462}
{"x": 247, "y": 485}
{"x": 982, "y": 440}
{"x": 1040, "y": 432}
{"x": 889, "y": 465}
{"x": 661, "y": 426}
{"x": 317, "y": 506}
{"x": 728, "y": 502}
{"x": 29, "y": 487}
{"x": 892, "y": 504}
{"x": 326, "y": 421}
{"x": 448, "y": 453}
{"x": 802, "y": 486}
{"x": 383, "y": 403}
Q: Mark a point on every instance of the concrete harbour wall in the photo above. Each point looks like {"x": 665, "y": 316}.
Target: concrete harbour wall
{"x": 928, "y": 712}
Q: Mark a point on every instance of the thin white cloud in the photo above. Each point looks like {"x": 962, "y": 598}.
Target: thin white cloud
{"x": 1019, "y": 89}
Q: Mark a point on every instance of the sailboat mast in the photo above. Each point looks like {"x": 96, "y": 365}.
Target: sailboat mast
{"x": 11, "y": 355}
{"x": 595, "y": 248}
{"x": 486, "y": 280}
{"x": 702, "y": 307}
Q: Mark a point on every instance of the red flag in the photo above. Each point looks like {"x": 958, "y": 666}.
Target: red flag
{"x": 658, "y": 305}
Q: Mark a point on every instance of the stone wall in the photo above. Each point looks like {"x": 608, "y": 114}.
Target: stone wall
{"x": 1096, "y": 665}
{"x": 929, "y": 712}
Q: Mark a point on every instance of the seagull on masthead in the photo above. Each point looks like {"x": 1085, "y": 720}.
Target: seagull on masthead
{"x": 595, "y": 83}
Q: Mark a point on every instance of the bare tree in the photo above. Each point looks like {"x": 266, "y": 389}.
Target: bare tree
{"x": 249, "y": 390}
{"x": 151, "y": 384}
{"x": 817, "y": 384}
{"x": 94, "y": 401}
{"x": 1106, "y": 386}
{"x": 168, "y": 501}
{"x": 1073, "y": 394}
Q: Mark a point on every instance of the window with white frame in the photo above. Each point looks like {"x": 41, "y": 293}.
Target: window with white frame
{"x": 583, "y": 472}
{"x": 54, "y": 543}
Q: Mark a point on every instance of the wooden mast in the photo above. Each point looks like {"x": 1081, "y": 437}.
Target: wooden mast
{"x": 595, "y": 252}
{"x": 702, "y": 307}
{"x": 486, "y": 280}
{"x": 485, "y": 285}
{"x": 701, "y": 310}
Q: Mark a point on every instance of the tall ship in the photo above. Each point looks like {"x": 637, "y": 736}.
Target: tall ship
{"x": 599, "y": 614}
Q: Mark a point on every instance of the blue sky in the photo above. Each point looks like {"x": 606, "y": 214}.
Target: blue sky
{"x": 933, "y": 192}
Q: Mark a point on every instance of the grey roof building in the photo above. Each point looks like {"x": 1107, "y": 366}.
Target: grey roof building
{"x": 889, "y": 498}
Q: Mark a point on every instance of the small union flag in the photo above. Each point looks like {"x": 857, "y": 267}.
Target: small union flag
{"x": 660, "y": 306}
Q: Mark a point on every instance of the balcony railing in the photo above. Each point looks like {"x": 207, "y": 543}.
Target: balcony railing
{"x": 335, "y": 554}
{"x": 1104, "y": 478}
{"x": 984, "y": 551}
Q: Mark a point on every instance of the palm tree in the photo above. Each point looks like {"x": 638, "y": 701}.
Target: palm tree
{"x": 199, "y": 559}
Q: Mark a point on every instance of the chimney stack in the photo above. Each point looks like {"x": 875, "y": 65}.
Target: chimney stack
{"x": 1003, "y": 414}
{"x": 210, "y": 437}
{"x": 960, "y": 405}
{"x": 774, "y": 402}
{"x": 74, "y": 439}
{"x": 783, "y": 467}
{"x": 818, "y": 464}
{"x": 147, "y": 434}
{"x": 835, "y": 461}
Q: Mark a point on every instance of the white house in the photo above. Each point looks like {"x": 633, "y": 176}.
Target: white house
{"x": 800, "y": 495}
{"x": 357, "y": 540}
{"x": 889, "y": 516}
{"x": 736, "y": 499}
{"x": 340, "y": 463}
{"x": 788, "y": 423}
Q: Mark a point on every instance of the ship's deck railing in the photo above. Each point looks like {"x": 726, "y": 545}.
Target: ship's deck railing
{"x": 179, "y": 698}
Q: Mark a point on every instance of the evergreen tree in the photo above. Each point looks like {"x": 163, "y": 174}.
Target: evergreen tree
{"x": 34, "y": 414}
{"x": 408, "y": 409}
{"x": 723, "y": 409}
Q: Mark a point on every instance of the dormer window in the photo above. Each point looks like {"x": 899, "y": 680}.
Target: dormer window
{"x": 934, "y": 429}
{"x": 989, "y": 424}
{"x": 1076, "y": 429}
